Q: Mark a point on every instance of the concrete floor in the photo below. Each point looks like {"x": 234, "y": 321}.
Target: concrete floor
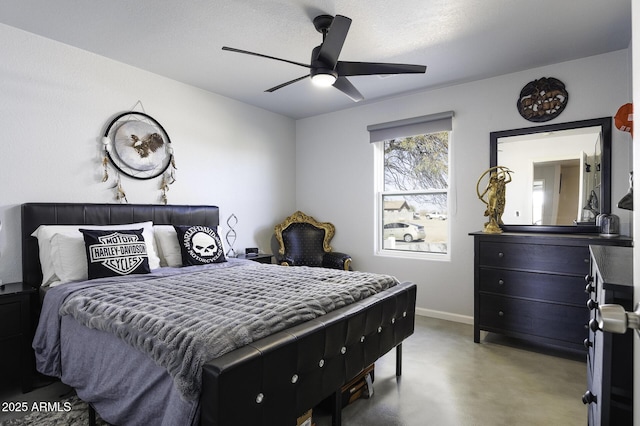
{"x": 448, "y": 380}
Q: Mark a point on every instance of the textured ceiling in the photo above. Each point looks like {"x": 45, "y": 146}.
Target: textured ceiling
{"x": 458, "y": 40}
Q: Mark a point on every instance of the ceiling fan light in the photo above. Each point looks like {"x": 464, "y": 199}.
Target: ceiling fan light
{"x": 323, "y": 80}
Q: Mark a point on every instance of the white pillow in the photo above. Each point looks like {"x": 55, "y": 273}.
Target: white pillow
{"x": 67, "y": 253}
{"x": 45, "y": 234}
{"x": 169, "y": 247}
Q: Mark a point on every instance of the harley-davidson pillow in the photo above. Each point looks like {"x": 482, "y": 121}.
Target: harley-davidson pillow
{"x": 115, "y": 252}
{"x": 200, "y": 245}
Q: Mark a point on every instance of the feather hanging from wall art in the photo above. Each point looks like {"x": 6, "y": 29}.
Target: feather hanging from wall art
{"x": 164, "y": 188}
{"x": 120, "y": 194}
{"x": 136, "y": 145}
{"x": 105, "y": 166}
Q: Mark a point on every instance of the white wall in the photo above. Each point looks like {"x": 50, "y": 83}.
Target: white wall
{"x": 334, "y": 164}
{"x": 55, "y": 101}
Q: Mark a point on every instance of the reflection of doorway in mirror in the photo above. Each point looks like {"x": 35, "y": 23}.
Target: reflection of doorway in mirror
{"x": 568, "y": 207}
{"x": 537, "y": 199}
{"x": 559, "y": 192}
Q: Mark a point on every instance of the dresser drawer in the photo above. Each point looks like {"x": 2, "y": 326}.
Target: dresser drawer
{"x": 10, "y": 319}
{"x": 535, "y": 257}
{"x": 542, "y": 319}
{"x": 594, "y": 386}
{"x": 549, "y": 287}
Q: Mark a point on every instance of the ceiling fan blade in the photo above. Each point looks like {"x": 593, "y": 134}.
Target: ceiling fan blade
{"x": 280, "y": 86}
{"x": 348, "y": 89}
{"x": 333, "y": 42}
{"x": 345, "y": 68}
{"x": 232, "y": 49}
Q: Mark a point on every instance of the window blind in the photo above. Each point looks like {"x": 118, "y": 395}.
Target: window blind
{"x": 432, "y": 123}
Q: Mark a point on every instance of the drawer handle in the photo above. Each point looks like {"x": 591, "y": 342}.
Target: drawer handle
{"x": 587, "y": 343}
{"x": 593, "y": 325}
{"x": 590, "y": 288}
{"x": 588, "y": 398}
{"x": 501, "y": 255}
{"x": 501, "y": 314}
{"x": 500, "y": 282}
{"x": 592, "y": 304}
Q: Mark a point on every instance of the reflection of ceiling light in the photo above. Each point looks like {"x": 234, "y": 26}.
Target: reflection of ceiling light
{"x": 324, "y": 78}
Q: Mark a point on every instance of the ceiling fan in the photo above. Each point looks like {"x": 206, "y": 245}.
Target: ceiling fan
{"x": 326, "y": 69}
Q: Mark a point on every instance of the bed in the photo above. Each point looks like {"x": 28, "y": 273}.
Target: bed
{"x": 271, "y": 380}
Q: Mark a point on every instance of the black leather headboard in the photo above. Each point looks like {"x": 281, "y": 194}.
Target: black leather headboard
{"x": 36, "y": 214}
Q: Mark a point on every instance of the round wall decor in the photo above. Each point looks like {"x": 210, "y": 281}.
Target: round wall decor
{"x": 542, "y": 100}
{"x": 137, "y": 145}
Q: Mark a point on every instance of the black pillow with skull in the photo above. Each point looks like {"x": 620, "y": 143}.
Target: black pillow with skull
{"x": 200, "y": 245}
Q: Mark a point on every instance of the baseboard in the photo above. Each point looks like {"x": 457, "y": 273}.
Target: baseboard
{"x": 465, "y": 319}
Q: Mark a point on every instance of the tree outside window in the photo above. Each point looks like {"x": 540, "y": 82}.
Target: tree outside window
{"x": 413, "y": 195}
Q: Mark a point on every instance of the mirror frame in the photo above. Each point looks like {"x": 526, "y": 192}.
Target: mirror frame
{"x": 605, "y": 191}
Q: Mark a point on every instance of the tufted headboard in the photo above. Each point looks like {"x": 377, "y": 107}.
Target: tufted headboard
{"x": 36, "y": 214}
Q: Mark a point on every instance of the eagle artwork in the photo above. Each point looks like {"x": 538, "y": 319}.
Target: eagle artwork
{"x": 146, "y": 145}
{"x": 140, "y": 146}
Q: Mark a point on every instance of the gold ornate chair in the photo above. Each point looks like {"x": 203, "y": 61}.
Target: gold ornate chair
{"x": 304, "y": 241}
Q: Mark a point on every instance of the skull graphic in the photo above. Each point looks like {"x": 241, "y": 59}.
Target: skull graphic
{"x": 204, "y": 244}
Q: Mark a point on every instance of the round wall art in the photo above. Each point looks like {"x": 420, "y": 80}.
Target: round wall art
{"x": 542, "y": 100}
{"x": 138, "y": 146}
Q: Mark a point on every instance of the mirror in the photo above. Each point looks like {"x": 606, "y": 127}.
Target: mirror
{"x": 561, "y": 175}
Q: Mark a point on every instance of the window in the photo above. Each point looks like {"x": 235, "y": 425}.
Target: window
{"x": 412, "y": 186}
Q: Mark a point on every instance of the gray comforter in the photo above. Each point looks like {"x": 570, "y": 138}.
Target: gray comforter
{"x": 183, "y": 318}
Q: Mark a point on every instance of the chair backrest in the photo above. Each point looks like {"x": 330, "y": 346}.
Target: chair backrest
{"x": 303, "y": 239}
{"x": 303, "y": 244}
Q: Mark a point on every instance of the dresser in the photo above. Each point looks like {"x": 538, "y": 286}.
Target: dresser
{"x": 16, "y": 355}
{"x": 532, "y": 286}
{"x": 609, "y": 392}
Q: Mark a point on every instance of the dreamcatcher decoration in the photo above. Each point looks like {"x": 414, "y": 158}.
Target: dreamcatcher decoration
{"x": 542, "y": 100}
{"x": 136, "y": 145}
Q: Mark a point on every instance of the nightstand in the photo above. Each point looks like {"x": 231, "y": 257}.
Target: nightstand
{"x": 260, "y": 257}
{"x": 16, "y": 332}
